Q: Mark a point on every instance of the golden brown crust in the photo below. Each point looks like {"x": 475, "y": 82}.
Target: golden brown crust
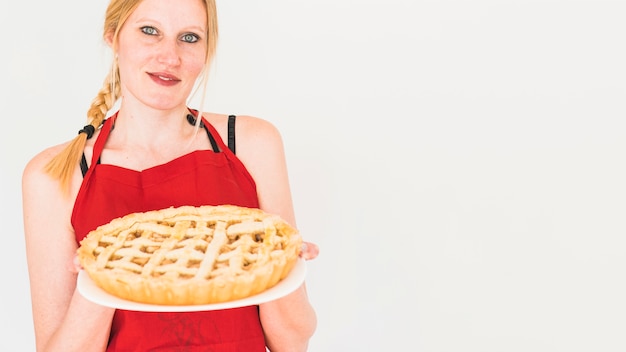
{"x": 190, "y": 255}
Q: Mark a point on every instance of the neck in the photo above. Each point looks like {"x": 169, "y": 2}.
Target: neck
{"x": 150, "y": 129}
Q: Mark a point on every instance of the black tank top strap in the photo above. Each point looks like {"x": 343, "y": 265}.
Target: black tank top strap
{"x": 83, "y": 164}
{"x": 231, "y": 133}
{"x": 214, "y": 145}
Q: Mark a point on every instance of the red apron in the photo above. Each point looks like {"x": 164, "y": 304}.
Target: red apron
{"x": 201, "y": 177}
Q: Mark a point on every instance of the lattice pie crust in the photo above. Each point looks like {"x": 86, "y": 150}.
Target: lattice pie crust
{"x": 190, "y": 255}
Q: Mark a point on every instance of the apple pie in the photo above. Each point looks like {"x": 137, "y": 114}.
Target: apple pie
{"x": 190, "y": 255}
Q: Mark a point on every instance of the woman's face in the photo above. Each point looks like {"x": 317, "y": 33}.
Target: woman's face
{"x": 161, "y": 51}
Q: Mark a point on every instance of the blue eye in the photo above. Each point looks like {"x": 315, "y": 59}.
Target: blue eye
{"x": 149, "y": 30}
{"x": 190, "y": 38}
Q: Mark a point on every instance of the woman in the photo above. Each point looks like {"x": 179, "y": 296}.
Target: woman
{"x": 154, "y": 153}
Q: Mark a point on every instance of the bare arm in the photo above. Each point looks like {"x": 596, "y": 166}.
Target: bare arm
{"x": 63, "y": 319}
{"x": 288, "y": 322}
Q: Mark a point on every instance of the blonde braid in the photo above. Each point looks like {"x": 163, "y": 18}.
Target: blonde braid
{"x": 63, "y": 165}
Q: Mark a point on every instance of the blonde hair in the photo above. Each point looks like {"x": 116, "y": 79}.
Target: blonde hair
{"x": 62, "y": 166}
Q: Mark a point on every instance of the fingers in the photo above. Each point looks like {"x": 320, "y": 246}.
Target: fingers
{"x": 309, "y": 251}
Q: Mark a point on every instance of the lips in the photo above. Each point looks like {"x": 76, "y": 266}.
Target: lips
{"x": 164, "y": 79}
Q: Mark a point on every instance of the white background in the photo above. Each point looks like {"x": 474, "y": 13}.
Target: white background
{"x": 460, "y": 163}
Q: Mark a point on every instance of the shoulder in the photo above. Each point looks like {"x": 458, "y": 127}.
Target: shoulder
{"x": 38, "y": 183}
{"x": 254, "y": 128}
{"x": 35, "y": 168}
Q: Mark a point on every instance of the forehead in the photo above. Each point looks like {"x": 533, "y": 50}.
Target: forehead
{"x": 174, "y": 13}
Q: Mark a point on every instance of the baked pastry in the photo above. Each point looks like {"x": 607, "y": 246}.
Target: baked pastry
{"x": 190, "y": 255}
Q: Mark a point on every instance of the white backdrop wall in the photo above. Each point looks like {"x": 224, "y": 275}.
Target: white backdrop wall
{"x": 460, "y": 163}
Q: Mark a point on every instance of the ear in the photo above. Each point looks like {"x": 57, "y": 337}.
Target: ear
{"x": 108, "y": 38}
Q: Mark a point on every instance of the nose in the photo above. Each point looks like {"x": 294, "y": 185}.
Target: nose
{"x": 168, "y": 52}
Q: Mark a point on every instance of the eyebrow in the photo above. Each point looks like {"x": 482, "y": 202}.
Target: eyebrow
{"x": 199, "y": 29}
{"x": 194, "y": 27}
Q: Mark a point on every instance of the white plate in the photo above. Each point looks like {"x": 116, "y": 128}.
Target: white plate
{"x": 89, "y": 290}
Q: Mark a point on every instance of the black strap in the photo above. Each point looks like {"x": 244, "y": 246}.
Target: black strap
{"x": 214, "y": 145}
{"x": 83, "y": 164}
{"x": 231, "y": 133}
